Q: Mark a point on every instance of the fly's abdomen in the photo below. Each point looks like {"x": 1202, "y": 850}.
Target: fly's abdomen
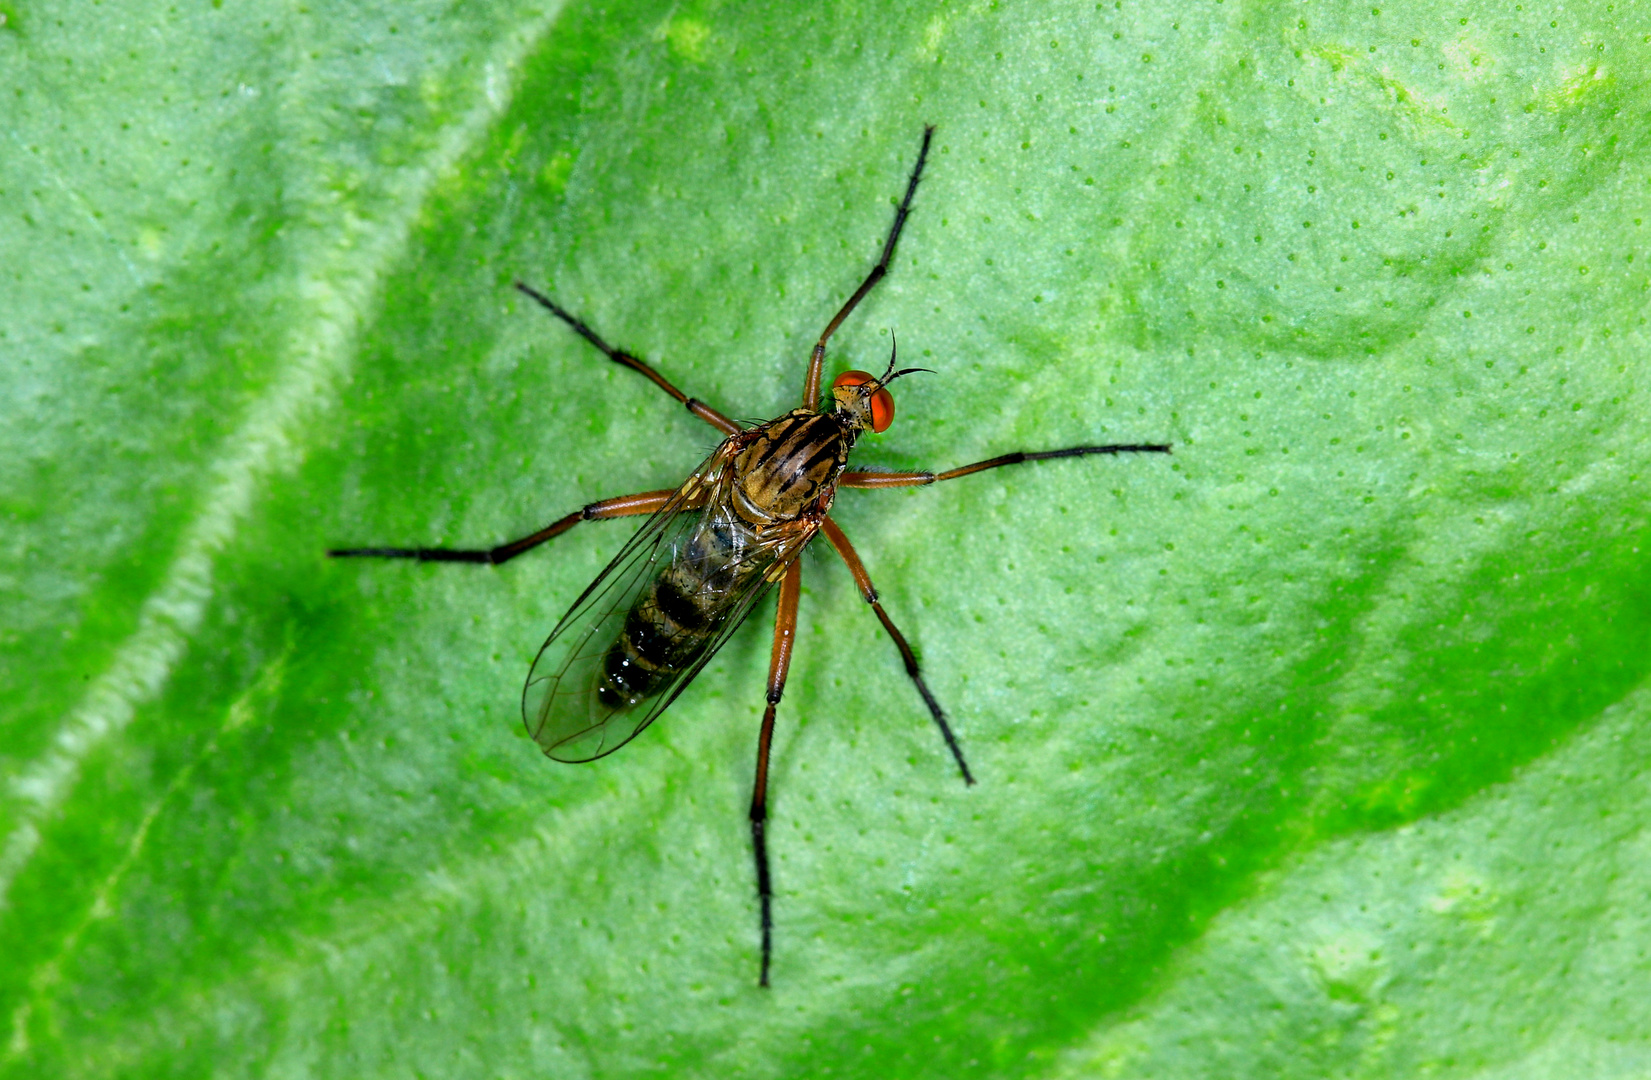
{"x": 655, "y": 616}
{"x": 676, "y": 617}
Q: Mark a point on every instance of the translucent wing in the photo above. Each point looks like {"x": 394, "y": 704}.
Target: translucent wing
{"x": 652, "y": 619}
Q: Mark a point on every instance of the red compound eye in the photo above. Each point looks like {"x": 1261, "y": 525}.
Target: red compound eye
{"x": 882, "y": 402}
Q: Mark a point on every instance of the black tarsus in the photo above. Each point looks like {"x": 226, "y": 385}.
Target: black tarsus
{"x": 579, "y": 325}
{"x": 1080, "y": 451}
{"x": 765, "y": 889}
{"x": 1021, "y": 456}
{"x": 620, "y": 356}
{"x": 421, "y": 554}
{"x": 494, "y": 555}
{"x": 845, "y": 549}
{"x": 916, "y": 673}
{"x": 882, "y": 267}
{"x": 905, "y": 203}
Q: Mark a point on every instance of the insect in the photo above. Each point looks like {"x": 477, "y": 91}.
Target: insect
{"x": 710, "y": 551}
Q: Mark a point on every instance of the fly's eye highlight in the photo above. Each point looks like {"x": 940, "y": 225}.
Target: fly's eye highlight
{"x": 882, "y": 402}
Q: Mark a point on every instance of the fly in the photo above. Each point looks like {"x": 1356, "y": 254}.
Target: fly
{"x": 710, "y": 551}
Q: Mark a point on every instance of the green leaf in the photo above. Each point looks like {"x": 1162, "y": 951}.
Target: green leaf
{"x": 1317, "y": 748}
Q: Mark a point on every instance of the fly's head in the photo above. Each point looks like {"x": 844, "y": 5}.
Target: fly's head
{"x": 862, "y": 400}
{"x": 860, "y": 403}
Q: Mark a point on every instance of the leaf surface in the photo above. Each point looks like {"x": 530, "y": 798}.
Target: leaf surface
{"x": 1316, "y": 748}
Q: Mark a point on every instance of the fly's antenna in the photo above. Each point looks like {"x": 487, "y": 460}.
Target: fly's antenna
{"x": 889, "y": 374}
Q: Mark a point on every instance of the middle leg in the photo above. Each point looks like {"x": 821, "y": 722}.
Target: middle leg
{"x": 839, "y": 541}
{"x": 918, "y": 479}
{"x": 779, "y": 665}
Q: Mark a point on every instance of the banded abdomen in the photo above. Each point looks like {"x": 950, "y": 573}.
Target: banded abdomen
{"x": 677, "y": 616}
{"x": 784, "y": 469}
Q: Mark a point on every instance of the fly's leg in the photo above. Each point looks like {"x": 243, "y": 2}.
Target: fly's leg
{"x": 918, "y": 479}
{"x": 620, "y": 356}
{"x": 779, "y": 665}
{"x": 811, "y": 384}
{"x": 624, "y": 506}
{"x": 840, "y": 543}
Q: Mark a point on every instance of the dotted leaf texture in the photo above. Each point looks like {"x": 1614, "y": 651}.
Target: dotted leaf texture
{"x": 1315, "y": 749}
